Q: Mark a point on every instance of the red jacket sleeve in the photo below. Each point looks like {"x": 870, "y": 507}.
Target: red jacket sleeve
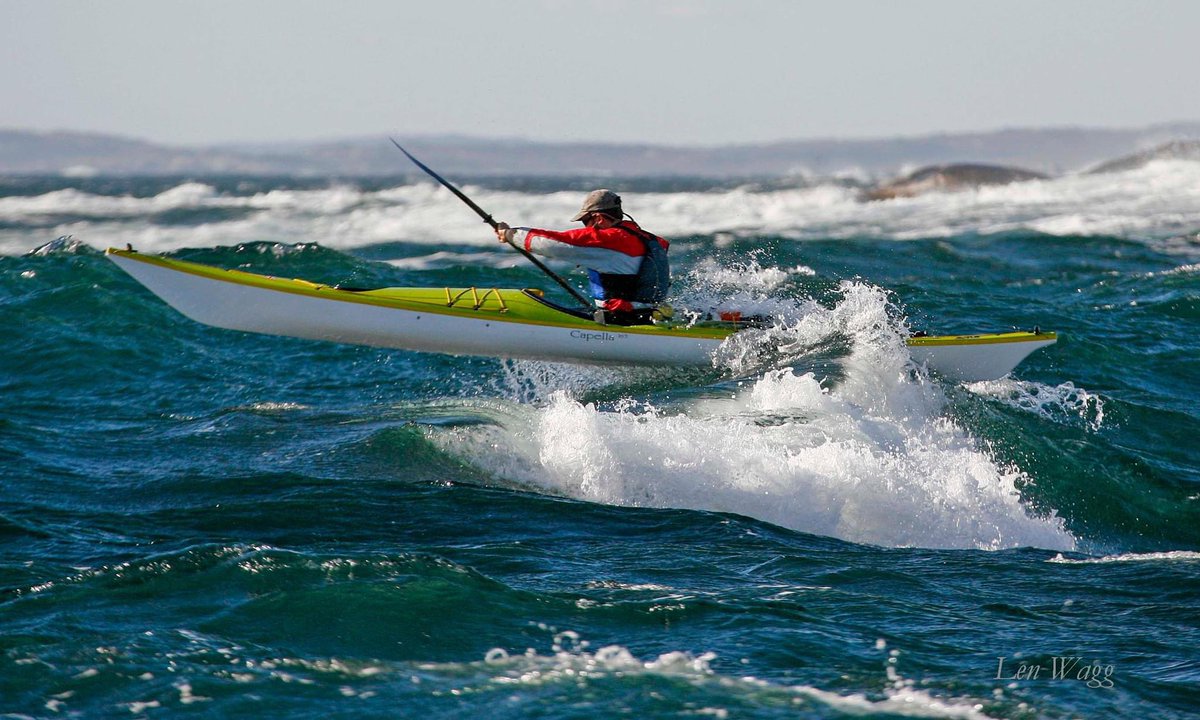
{"x": 613, "y": 238}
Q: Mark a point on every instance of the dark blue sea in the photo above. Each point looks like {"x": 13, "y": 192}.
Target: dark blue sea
{"x": 200, "y": 522}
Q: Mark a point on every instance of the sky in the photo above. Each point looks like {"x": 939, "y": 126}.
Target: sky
{"x": 678, "y": 72}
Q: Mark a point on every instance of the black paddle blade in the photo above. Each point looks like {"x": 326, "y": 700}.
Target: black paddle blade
{"x": 487, "y": 218}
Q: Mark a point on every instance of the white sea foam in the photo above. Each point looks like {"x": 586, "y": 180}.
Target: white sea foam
{"x": 1170, "y": 556}
{"x": 869, "y": 458}
{"x": 443, "y": 259}
{"x": 573, "y": 665}
{"x": 273, "y": 407}
{"x": 747, "y": 276}
{"x": 1062, "y": 403}
{"x": 1190, "y": 269}
{"x": 1160, "y": 200}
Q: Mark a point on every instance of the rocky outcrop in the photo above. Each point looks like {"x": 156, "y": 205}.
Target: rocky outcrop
{"x": 1176, "y": 150}
{"x": 948, "y": 178}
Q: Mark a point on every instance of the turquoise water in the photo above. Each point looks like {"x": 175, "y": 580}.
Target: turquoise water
{"x": 198, "y": 521}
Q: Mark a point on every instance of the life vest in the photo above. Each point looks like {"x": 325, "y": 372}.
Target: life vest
{"x": 654, "y": 274}
{"x": 651, "y": 282}
{"x": 624, "y": 262}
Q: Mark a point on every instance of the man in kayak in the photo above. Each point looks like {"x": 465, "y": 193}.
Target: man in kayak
{"x": 627, "y": 266}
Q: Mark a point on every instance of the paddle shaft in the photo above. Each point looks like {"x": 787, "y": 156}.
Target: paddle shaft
{"x": 487, "y": 218}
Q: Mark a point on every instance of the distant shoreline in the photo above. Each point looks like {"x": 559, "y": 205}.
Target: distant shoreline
{"x": 1045, "y": 150}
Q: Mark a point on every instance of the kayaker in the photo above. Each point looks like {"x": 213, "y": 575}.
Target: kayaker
{"x": 627, "y": 266}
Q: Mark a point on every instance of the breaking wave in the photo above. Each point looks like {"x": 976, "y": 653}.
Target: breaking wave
{"x": 346, "y": 216}
{"x": 870, "y": 457}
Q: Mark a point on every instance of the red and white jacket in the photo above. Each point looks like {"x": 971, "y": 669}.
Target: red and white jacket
{"x": 613, "y": 256}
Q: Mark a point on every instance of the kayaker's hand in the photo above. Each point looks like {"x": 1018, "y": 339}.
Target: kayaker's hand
{"x": 503, "y": 232}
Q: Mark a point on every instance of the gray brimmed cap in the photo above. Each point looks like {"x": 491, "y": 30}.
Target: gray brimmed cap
{"x": 598, "y": 201}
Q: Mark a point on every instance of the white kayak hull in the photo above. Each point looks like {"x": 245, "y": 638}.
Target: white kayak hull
{"x": 972, "y": 358}
{"x": 493, "y": 323}
{"x": 250, "y": 308}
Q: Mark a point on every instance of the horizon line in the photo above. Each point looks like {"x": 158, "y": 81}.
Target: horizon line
{"x": 510, "y": 139}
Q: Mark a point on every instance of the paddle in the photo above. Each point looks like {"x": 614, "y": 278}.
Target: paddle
{"x": 487, "y": 218}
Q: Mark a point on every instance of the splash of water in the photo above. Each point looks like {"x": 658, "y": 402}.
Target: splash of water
{"x": 870, "y": 458}
{"x": 1061, "y": 404}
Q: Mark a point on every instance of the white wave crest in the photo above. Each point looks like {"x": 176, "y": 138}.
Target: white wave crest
{"x": 869, "y": 458}
{"x": 443, "y": 259}
{"x": 1160, "y": 201}
{"x": 572, "y": 665}
{"x": 1059, "y": 404}
{"x": 1189, "y": 269}
{"x": 1170, "y": 556}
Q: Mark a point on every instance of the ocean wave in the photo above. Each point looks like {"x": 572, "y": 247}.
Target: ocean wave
{"x": 869, "y": 458}
{"x": 1170, "y": 556}
{"x": 444, "y": 259}
{"x": 1062, "y": 404}
{"x": 174, "y": 669}
{"x": 1160, "y": 200}
{"x": 572, "y": 666}
{"x": 1189, "y": 269}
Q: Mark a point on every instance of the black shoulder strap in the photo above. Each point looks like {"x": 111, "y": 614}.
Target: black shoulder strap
{"x": 654, "y": 272}
{"x": 639, "y": 233}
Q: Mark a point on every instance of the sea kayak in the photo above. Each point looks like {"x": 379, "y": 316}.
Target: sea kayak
{"x": 494, "y": 322}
